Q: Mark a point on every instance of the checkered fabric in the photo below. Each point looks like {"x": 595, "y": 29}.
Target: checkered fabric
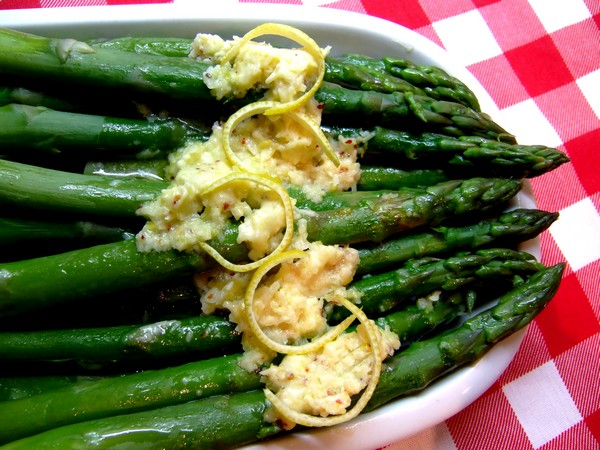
{"x": 540, "y": 62}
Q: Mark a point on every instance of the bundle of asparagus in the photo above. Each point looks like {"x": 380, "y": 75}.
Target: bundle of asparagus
{"x": 429, "y": 220}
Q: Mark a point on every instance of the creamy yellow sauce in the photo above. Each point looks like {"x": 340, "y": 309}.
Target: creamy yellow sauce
{"x": 290, "y": 303}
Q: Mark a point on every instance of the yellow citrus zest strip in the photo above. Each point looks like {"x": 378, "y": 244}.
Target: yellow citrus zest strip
{"x": 260, "y": 107}
{"x": 314, "y": 421}
{"x": 293, "y": 34}
{"x": 318, "y": 134}
{"x": 260, "y": 334}
{"x": 288, "y": 211}
{"x": 234, "y": 120}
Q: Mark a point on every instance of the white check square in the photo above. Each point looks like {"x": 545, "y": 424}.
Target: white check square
{"x": 467, "y": 37}
{"x": 542, "y": 404}
{"x": 527, "y": 122}
{"x": 557, "y": 14}
{"x": 589, "y": 86}
{"x": 581, "y": 220}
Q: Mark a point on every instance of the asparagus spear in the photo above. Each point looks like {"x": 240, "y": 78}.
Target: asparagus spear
{"x": 67, "y": 60}
{"x": 35, "y": 127}
{"x": 40, "y": 282}
{"x": 20, "y": 230}
{"x": 351, "y": 70}
{"x": 464, "y": 152}
{"x": 86, "y": 400}
{"x": 397, "y": 107}
{"x": 191, "y": 336}
{"x": 382, "y": 292}
{"x": 43, "y": 188}
{"x": 509, "y": 229}
{"x": 391, "y": 74}
{"x": 45, "y": 130}
{"x": 403, "y": 373}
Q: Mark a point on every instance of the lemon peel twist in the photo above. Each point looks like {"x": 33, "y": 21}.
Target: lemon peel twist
{"x": 296, "y": 35}
{"x": 288, "y": 213}
{"x": 313, "y": 421}
{"x": 314, "y": 345}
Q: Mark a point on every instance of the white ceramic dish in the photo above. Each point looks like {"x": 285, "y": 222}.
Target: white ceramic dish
{"x": 345, "y": 32}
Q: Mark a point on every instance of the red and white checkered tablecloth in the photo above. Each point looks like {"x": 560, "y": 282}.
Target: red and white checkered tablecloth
{"x": 540, "y": 62}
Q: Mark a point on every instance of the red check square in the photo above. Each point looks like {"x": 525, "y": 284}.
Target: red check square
{"x": 539, "y": 66}
{"x": 579, "y": 46}
{"x": 17, "y": 4}
{"x": 593, "y": 423}
{"x": 568, "y": 319}
{"x": 500, "y": 81}
{"x": 513, "y": 23}
{"x": 587, "y": 162}
{"x": 579, "y": 368}
{"x": 404, "y": 12}
{"x": 470, "y": 428}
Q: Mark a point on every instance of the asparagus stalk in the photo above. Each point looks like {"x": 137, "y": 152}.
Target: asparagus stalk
{"x": 355, "y": 71}
{"x": 403, "y": 373}
{"x": 43, "y": 188}
{"x": 42, "y": 129}
{"x": 508, "y": 229}
{"x": 86, "y": 400}
{"x": 35, "y": 127}
{"x": 396, "y": 107}
{"x": 392, "y": 74}
{"x": 67, "y": 60}
{"x": 21, "y": 230}
{"x": 190, "y": 336}
{"x": 382, "y": 292}
{"x": 39, "y": 282}
{"x": 463, "y": 153}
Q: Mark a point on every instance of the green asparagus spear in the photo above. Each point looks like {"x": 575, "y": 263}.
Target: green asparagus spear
{"x": 86, "y": 400}
{"x": 71, "y": 61}
{"x": 20, "y": 230}
{"x": 35, "y": 283}
{"x": 29, "y": 127}
{"x": 209, "y": 422}
{"x": 393, "y": 108}
{"x": 382, "y": 292}
{"x": 463, "y": 153}
{"x": 67, "y": 60}
{"x": 424, "y": 361}
{"x": 388, "y": 74}
{"x": 508, "y": 229}
{"x": 121, "y": 196}
{"x": 84, "y": 135}
{"x": 191, "y": 336}
{"x": 392, "y": 74}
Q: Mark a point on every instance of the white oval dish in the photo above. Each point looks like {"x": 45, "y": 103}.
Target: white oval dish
{"x": 344, "y": 32}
